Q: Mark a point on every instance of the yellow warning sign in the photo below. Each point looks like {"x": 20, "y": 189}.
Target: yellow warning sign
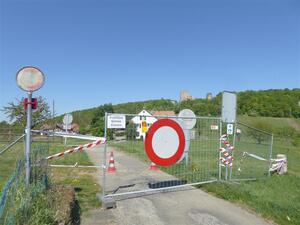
{"x": 144, "y": 127}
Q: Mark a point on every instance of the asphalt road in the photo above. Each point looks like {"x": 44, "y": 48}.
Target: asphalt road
{"x": 188, "y": 206}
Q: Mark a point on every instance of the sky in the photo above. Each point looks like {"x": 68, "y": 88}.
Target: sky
{"x": 114, "y": 51}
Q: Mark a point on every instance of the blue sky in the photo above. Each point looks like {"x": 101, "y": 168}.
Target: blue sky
{"x": 95, "y": 51}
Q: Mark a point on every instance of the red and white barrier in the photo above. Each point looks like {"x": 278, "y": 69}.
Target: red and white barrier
{"x": 224, "y": 152}
{"x": 227, "y": 151}
{"x": 78, "y": 148}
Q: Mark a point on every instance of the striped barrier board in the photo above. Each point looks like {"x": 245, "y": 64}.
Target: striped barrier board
{"x": 77, "y": 149}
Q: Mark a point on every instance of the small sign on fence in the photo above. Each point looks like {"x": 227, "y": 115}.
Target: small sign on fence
{"x": 116, "y": 122}
{"x": 214, "y": 127}
{"x": 230, "y": 128}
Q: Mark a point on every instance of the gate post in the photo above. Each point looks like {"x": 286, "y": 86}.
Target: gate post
{"x": 233, "y": 144}
{"x": 107, "y": 202}
{"x": 220, "y": 145}
{"x": 104, "y": 157}
{"x": 270, "y": 156}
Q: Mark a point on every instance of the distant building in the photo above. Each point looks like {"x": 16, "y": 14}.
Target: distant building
{"x": 150, "y": 118}
{"x": 163, "y": 113}
{"x": 73, "y": 128}
{"x": 209, "y": 96}
{"x": 146, "y": 116}
{"x": 184, "y": 96}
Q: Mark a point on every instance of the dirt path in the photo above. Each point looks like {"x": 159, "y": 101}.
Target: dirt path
{"x": 191, "y": 207}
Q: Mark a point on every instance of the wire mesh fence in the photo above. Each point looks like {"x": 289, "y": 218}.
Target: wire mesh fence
{"x": 8, "y": 135}
{"x": 253, "y": 150}
{"x": 16, "y": 200}
{"x": 199, "y": 163}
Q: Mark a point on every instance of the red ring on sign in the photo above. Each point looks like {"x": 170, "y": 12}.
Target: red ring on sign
{"x": 149, "y": 148}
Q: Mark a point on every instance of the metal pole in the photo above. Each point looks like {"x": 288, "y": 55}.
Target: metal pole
{"x": 271, "y": 152}
{"x": 220, "y": 146}
{"x": 28, "y": 140}
{"x": 104, "y": 158}
{"x": 66, "y": 132}
{"x": 233, "y": 144}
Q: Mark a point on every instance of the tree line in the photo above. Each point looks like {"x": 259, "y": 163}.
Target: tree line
{"x": 265, "y": 103}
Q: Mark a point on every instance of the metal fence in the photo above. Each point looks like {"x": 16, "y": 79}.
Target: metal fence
{"x": 134, "y": 174}
{"x": 202, "y": 164}
{"x": 253, "y": 152}
{"x": 15, "y": 199}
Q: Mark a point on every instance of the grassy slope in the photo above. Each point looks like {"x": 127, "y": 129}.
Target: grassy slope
{"x": 85, "y": 184}
{"x": 277, "y": 198}
{"x": 271, "y": 121}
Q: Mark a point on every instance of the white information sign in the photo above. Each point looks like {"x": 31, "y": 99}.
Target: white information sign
{"x": 116, "y": 122}
{"x": 214, "y": 127}
{"x": 229, "y": 107}
{"x": 230, "y": 128}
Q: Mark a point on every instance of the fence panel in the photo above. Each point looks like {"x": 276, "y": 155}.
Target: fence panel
{"x": 253, "y": 150}
{"x": 133, "y": 174}
{"x": 15, "y": 199}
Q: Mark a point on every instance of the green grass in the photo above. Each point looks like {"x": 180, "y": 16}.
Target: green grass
{"x": 83, "y": 180}
{"x": 271, "y": 121}
{"x": 8, "y": 161}
{"x": 276, "y": 198}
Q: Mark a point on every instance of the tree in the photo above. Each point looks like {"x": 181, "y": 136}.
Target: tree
{"x": 259, "y": 133}
{"x": 98, "y": 123}
{"x": 17, "y": 114}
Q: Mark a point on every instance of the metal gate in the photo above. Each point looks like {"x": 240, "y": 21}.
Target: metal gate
{"x": 134, "y": 173}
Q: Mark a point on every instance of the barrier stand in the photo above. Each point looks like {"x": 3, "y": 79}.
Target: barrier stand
{"x": 226, "y": 154}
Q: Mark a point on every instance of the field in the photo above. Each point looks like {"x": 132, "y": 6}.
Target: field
{"x": 276, "y": 198}
{"x": 82, "y": 180}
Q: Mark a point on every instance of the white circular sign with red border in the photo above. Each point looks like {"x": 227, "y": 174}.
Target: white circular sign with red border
{"x": 165, "y": 142}
{"x": 30, "y": 78}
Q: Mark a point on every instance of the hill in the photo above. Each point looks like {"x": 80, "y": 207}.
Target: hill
{"x": 280, "y": 103}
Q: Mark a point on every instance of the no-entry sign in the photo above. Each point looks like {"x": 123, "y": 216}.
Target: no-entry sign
{"x": 165, "y": 142}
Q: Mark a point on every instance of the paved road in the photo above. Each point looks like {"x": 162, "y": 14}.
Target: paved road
{"x": 190, "y": 207}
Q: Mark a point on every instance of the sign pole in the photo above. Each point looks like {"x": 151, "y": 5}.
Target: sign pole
{"x": 66, "y": 132}
{"x": 29, "y": 79}
{"x": 28, "y": 139}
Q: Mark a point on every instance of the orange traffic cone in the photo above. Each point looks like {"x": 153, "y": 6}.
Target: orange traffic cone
{"x": 153, "y": 166}
{"x": 111, "y": 164}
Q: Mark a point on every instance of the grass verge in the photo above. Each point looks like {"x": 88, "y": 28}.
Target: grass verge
{"x": 83, "y": 180}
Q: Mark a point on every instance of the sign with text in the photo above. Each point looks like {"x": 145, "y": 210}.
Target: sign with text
{"x": 214, "y": 127}
{"x": 116, "y": 122}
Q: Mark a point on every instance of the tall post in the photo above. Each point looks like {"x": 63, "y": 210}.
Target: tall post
{"x": 233, "y": 144}
{"x": 28, "y": 140}
{"x": 66, "y": 130}
{"x": 220, "y": 145}
{"x": 104, "y": 158}
{"x": 270, "y": 156}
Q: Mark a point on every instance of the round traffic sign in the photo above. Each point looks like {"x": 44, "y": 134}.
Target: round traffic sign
{"x": 30, "y": 78}
{"x": 187, "y": 140}
{"x": 165, "y": 142}
{"x": 188, "y": 117}
{"x": 68, "y": 118}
